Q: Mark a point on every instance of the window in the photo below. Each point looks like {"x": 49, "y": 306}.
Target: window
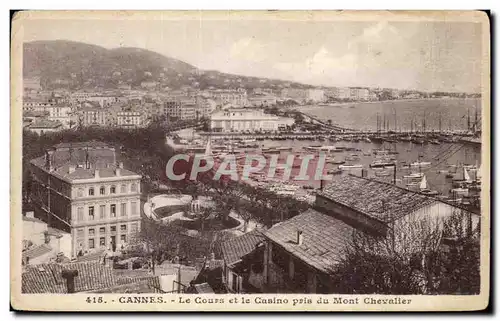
{"x": 102, "y": 230}
{"x": 133, "y": 208}
{"x": 133, "y": 187}
{"x": 102, "y": 241}
{"x": 80, "y": 192}
{"x": 112, "y": 190}
{"x": 79, "y": 233}
{"x": 113, "y": 228}
{"x": 91, "y": 213}
{"x": 123, "y": 209}
{"x": 102, "y": 211}
{"x": 91, "y": 191}
{"x": 102, "y": 190}
{"x": 123, "y": 227}
{"x": 134, "y": 227}
{"x": 123, "y": 188}
{"x": 91, "y": 232}
{"x": 91, "y": 244}
{"x": 79, "y": 214}
{"x": 123, "y": 238}
{"x": 113, "y": 210}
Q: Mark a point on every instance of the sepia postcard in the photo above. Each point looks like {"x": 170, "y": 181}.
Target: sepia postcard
{"x": 250, "y": 161}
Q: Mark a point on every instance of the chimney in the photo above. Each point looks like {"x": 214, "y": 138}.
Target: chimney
{"x": 212, "y": 256}
{"x": 70, "y": 275}
{"x": 300, "y": 238}
{"x": 130, "y": 265}
{"x": 96, "y": 173}
{"x": 71, "y": 169}
{"x": 30, "y": 214}
{"x": 321, "y": 185}
{"x": 48, "y": 161}
{"x": 120, "y": 164}
{"x": 118, "y": 171}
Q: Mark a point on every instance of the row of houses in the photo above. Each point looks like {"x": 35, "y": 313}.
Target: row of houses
{"x": 299, "y": 255}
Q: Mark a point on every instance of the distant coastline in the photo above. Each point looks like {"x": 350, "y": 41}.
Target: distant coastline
{"x": 342, "y": 104}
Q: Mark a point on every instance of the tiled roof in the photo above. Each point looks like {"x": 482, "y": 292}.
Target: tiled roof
{"x": 99, "y": 156}
{"x": 32, "y": 219}
{"x": 95, "y": 256}
{"x": 45, "y": 123}
{"x": 324, "y": 238}
{"x": 234, "y": 249}
{"x": 147, "y": 285}
{"x": 203, "y": 288}
{"x": 55, "y": 232}
{"x": 37, "y": 251}
{"x": 47, "y": 278}
{"x": 90, "y": 144}
{"x": 383, "y": 201}
{"x": 153, "y": 282}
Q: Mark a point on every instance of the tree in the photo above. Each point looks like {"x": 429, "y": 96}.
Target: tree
{"x": 410, "y": 259}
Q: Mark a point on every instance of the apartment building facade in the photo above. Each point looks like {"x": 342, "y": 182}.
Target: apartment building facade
{"x": 79, "y": 188}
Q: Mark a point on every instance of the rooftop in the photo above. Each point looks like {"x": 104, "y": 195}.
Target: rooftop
{"x": 45, "y": 123}
{"x": 75, "y": 155}
{"x": 379, "y": 200}
{"x": 46, "y": 278}
{"x": 233, "y": 250}
{"x": 36, "y": 251}
{"x": 324, "y": 238}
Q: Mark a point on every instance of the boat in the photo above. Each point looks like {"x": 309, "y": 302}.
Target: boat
{"x": 368, "y": 140}
{"x": 367, "y": 154}
{"x": 285, "y": 149}
{"x": 347, "y": 167}
{"x": 462, "y": 176}
{"x": 459, "y": 191}
{"x": 335, "y": 171}
{"x": 419, "y": 164}
{"x": 352, "y": 158}
{"x": 382, "y": 173}
{"x": 434, "y": 141}
{"x": 382, "y": 164}
{"x": 413, "y": 176}
{"x": 338, "y": 162}
{"x": 424, "y": 188}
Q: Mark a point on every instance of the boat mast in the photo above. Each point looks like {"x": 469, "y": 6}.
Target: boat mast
{"x": 440, "y": 122}
{"x": 395, "y": 121}
{"x": 468, "y": 119}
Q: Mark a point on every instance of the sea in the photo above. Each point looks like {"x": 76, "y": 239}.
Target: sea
{"x": 399, "y": 114}
{"x": 444, "y": 114}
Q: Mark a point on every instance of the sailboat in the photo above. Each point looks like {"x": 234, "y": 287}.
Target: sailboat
{"x": 462, "y": 176}
{"x": 424, "y": 188}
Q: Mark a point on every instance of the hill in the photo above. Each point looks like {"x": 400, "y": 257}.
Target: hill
{"x": 76, "y": 65}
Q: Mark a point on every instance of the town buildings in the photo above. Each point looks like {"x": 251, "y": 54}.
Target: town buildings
{"x": 300, "y": 254}
{"x": 247, "y": 119}
{"x": 79, "y": 188}
{"x": 261, "y": 100}
{"x": 43, "y": 126}
{"x": 234, "y": 98}
{"x": 32, "y": 84}
{"x": 42, "y": 243}
{"x": 130, "y": 119}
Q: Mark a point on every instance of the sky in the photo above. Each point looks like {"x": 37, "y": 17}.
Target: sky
{"x": 428, "y": 56}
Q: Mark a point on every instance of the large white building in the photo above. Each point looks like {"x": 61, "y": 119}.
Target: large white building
{"x": 316, "y": 95}
{"x": 360, "y": 94}
{"x": 246, "y": 119}
{"x": 130, "y": 119}
{"x": 79, "y": 188}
